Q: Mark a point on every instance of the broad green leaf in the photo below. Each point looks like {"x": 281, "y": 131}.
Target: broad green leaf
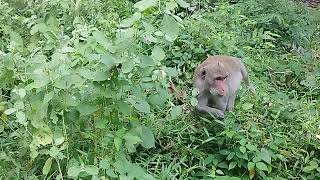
{"x": 43, "y": 136}
{"x": 183, "y": 4}
{"x": 195, "y": 92}
{"x": 232, "y": 165}
{"x": 265, "y": 155}
{"x": 21, "y": 118}
{"x": 147, "y": 137}
{"x": 158, "y": 53}
{"x": 172, "y": 72}
{"x": 251, "y": 165}
{"x": 117, "y": 143}
{"x": 242, "y": 149}
{"x": 92, "y": 170}
{"x": 261, "y": 166}
{"x": 194, "y": 101}
{"x": 127, "y": 67}
{"x": 10, "y": 111}
{"x": 48, "y": 97}
{"x": 170, "y": 28}
{"x": 251, "y": 147}
{"x": 171, "y": 6}
{"x": 243, "y": 142}
{"x": 54, "y": 152}
{"x": 47, "y": 166}
{"x": 145, "y": 4}
{"x": 131, "y": 20}
{"x": 132, "y": 139}
{"x": 247, "y": 106}
{"x": 230, "y": 156}
{"x": 20, "y": 92}
{"x": 218, "y": 171}
{"x": 142, "y": 106}
{"x": 100, "y": 76}
{"x": 308, "y": 168}
{"x": 176, "y": 111}
{"x": 74, "y": 171}
{"x": 104, "y": 164}
{"x": 108, "y": 60}
{"x": 86, "y": 109}
{"x": 38, "y": 83}
{"x": 16, "y": 40}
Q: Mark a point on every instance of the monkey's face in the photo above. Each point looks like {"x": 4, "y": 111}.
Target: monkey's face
{"x": 215, "y": 80}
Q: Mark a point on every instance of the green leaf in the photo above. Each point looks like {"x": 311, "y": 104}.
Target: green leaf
{"x": 43, "y": 136}
{"x": 104, "y": 164}
{"x": 251, "y": 166}
{"x": 47, "y": 166}
{"x": 20, "y": 92}
{"x": 10, "y": 111}
{"x": 194, "y": 101}
{"x": 145, "y": 4}
{"x": 92, "y": 170}
{"x": 176, "y": 111}
{"x": 308, "y": 168}
{"x": 147, "y": 137}
{"x": 232, "y": 165}
{"x": 218, "y": 171}
{"x": 242, "y": 149}
{"x": 251, "y": 147}
{"x": 86, "y": 109}
{"x": 170, "y": 28}
{"x": 74, "y": 171}
{"x": 108, "y": 60}
{"x": 265, "y": 155}
{"x": 142, "y": 106}
{"x": 131, "y": 20}
{"x": 127, "y": 67}
{"x": 247, "y": 106}
{"x": 183, "y": 4}
{"x": 132, "y": 139}
{"x": 48, "y": 97}
{"x": 261, "y": 166}
{"x": 158, "y": 53}
{"x": 21, "y": 118}
{"x": 54, "y": 152}
{"x": 1, "y": 128}
{"x": 117, "y": 143}
{"x": 172, "y": 72}
{"x": 230, "y": 156}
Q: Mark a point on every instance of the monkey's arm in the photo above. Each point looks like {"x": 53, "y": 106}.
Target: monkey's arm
{"x": 203, "y": 107}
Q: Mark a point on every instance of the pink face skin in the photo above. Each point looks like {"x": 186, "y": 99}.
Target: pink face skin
{"x": 221, "y": 86}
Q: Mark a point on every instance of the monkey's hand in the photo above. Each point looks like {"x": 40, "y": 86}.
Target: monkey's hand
{"x": 218, "y": 113}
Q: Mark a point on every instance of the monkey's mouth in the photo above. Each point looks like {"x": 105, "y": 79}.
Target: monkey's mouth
{"x": 213, "y": 91}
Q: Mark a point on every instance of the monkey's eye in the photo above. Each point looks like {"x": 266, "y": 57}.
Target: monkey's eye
{"x": 219, "y": 78}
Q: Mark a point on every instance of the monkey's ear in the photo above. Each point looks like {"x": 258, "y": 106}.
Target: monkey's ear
{"x": 203, "y": 73}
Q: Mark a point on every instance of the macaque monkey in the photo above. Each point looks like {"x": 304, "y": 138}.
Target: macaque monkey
{"x": 218, "y": 78}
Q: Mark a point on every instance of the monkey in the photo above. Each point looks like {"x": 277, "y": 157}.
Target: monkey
{"x": 218, "y": 78}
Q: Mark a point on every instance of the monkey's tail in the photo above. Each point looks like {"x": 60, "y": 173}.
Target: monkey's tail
{"x": 245, "y": 77}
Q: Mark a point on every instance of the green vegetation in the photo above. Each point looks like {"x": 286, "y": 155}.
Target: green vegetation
{"x": 84, "y": 90}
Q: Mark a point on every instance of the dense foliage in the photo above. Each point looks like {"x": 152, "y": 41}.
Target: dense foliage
{"x": 84, "y": 90}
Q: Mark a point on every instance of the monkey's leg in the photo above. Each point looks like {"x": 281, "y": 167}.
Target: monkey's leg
{"x": 203, "y": 107}
{"x": 230, "y": 105}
